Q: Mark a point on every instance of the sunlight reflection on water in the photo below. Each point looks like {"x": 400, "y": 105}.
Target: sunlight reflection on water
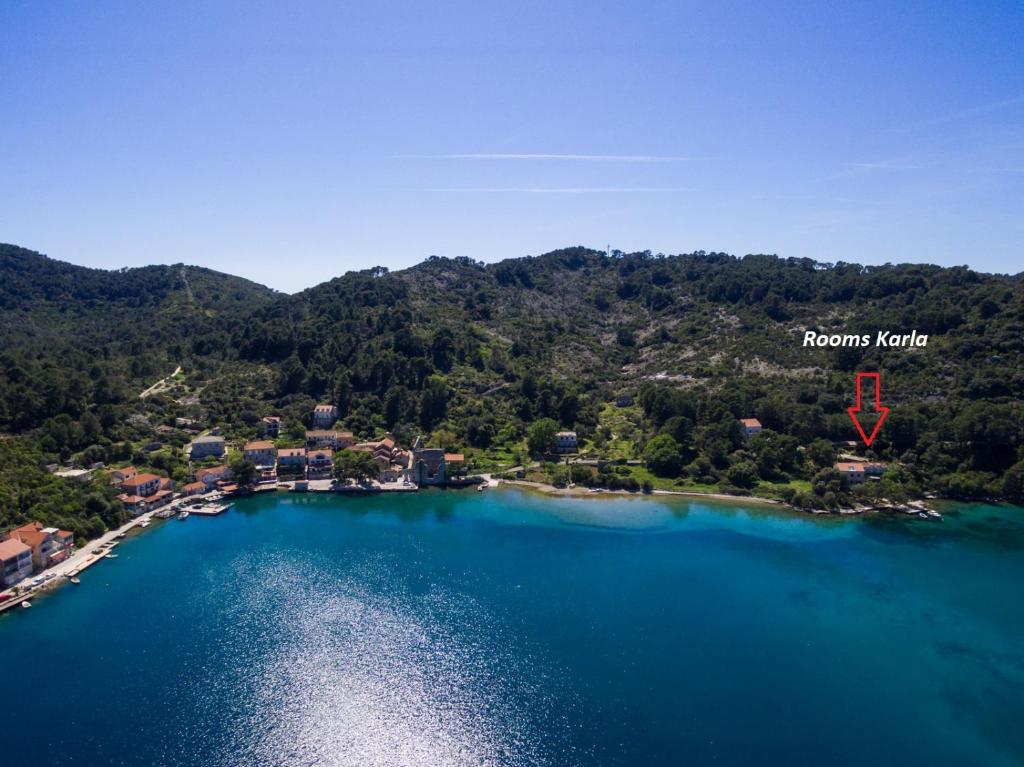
{"x": 354, "y": 672}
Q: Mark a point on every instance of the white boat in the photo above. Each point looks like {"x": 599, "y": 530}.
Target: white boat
{"x": 26, "y": 604}
{"x": 110, "y": 555}
{"x": 183, "y": 515}
{"x": 144, "y": 523}
{"x": 75, "y": 581}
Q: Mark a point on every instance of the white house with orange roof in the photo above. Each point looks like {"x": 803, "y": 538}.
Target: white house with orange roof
{"x": 751, "y": 426}
{"x": 15, "y": 561}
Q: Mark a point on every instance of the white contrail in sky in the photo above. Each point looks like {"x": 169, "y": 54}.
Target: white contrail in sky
{"x": 577, "y": 157}
{"x": 557, "y": 190}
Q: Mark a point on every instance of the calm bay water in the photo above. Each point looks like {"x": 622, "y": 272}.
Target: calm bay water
{"x": 506, "y": 628}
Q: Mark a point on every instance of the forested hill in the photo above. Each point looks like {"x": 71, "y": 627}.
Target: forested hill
{"x": 73, "y": 338}
{"x": 474, "y": 354}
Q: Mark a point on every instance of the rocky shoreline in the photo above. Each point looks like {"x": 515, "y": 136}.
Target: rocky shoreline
{"x": 911, "y": 508}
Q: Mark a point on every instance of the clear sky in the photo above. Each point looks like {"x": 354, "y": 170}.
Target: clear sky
{"x": 291, "y": 142}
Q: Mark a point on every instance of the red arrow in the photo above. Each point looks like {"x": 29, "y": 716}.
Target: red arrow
{"x": 883, "y": 411}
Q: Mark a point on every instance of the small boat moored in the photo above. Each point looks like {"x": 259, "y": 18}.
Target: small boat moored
{"x": 26, "y": 604}
{"x": 110, "y": 555}
{"x": 183, "y": 515}
{"x": 75, "y": 581}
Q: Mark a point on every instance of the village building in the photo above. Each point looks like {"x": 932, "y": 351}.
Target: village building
{"x": 853, "y": 471}
{"x": 141, "y": 484}
{"x": 291, "y": 460}
{"x": 324, "y": 416}
{"x": 320, "y": 462}
{"x": 751, "y": 426}
{"x": 454, "y": 464}
{"x": 322, "y": 438}
{"x": 211, "y": 476}
{"x": 205, "y": 447}
{"x": 118, "y": 476}
{"x": 261, "y": 453}
{"x": 48, "y": 544}
{"x": 146, "y": 491}
{"x": 858, "y": 472}
{"x": 566, "y": 441}
{"x": 15, "y": 561}
{"x": 194, "y": 488}
{"x": 428, "y": 466}
{"x": 272, "y": 426}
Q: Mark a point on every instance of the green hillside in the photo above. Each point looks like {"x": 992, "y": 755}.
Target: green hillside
{"x": 647, "y": 357}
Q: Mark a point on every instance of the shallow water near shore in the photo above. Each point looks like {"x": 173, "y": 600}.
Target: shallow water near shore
{"x": 507, "y": 628}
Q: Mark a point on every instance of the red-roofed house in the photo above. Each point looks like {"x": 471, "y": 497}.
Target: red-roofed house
{"x": 261, "y": 453}
{"x": 15, "y": 561}
{"x": 49, "y": 545}
{"x": 143, "y": 485}
{"x": 117, "y": 476}
{"x": 213, "y": 475}
{"x": 194, "y": 488}
{"x": 751, "y": 426}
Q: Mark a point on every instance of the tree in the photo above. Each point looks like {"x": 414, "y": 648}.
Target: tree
{"x": 743, "y": 474}
{"x": 540, "y": 438}
{"x": 355, "y": 464}
{"x": 821, "y": 453}
{"x": 243, "y": 470}
{"x": 663, "y": 456}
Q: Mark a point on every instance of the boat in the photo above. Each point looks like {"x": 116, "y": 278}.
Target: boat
{"x": 144, "y": 523}
{"x": 481, "y": 488}
{"x": 75, "y": 581}
{"x": 183, "y": 515}
{"x": 122, "y": 534}
{"x": 26, "y": 604}
{"x": 110, "y": 555}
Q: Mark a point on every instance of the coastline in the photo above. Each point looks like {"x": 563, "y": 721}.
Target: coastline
{"x": 80, "y": 560}
{"x": 914, "y": 508}
{"x": 585, "y": 492}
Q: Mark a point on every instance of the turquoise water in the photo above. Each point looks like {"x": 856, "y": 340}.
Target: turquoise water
{"x": 505, "y": 628}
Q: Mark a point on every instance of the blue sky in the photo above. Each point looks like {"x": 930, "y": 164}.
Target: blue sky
{"x": 291, "y": 142}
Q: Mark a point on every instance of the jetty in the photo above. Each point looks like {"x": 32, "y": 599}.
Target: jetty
{"x": 87, "y": 555}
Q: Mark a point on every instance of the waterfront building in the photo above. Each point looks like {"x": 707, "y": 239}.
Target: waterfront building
{"x": 291, "y": 460}
{"x": 194, "y": 488}
{"x": 204, "y": 447}
{"x": 261, "y": 453}
{"x": 48, "y": 544}
{"x": 322, "y": 438}
{"x": 320, "y": 462}
{"x": 853, "y": 471}
{"x": 213, "y": 475}
{"x": 15, "y": 561}
{"x": 141, "y": 484}
{"x": 428, "y": 465}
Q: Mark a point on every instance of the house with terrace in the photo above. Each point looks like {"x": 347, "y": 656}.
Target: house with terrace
{"x": 291, "y": 461}
{"x": 319, "y": 463}
{"x": 144, "y": 492}
{"x": 15, "y": 561}
{"x": 48, "y": 544}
